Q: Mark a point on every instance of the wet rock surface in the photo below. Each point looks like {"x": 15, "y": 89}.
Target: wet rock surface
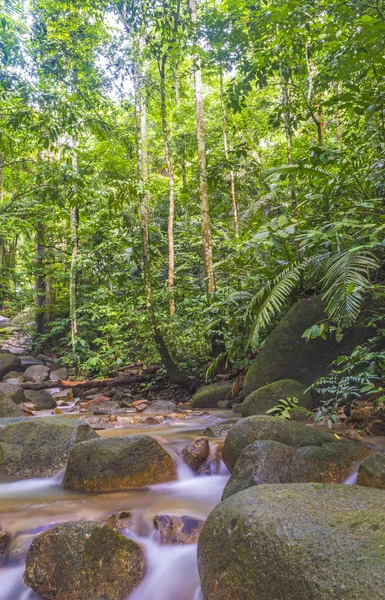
{"x": 195, "y": 454}
{"x": 118, "y": 463}
{"x": 75, "y": 561}
{"x": 295, "y": 542}
{"x": 39, "y": 447}
{"x": 178, "y": 530}
{"x": 371, "y": 472}
{"x": 5, "y": 538}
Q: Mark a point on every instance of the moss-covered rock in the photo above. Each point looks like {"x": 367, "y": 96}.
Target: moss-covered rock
{"x": 271, "y": 462}
{"x": 210, "y": 395}
{"x": 75, "y": 561}
{"x": 8, "y": 408}
{"x": 13, "y": 392}
{"x": 252, "y": 429}
{"x": 268, "y": 396}
{"x": 334, "y": 461}
{"x": 295, "y": 542}
{"x": 286, "y": 355}
{"x": 9, "y": 362}
{"x": 39, "y": 447}
{"x": 372, "y": 472}
{"x": 301, "y": 414}
{"x": 267, "y": 462}
{"x": 119, "y": 463}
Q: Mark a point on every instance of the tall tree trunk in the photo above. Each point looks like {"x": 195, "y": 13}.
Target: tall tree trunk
{"x": 174, "y": 373}
{"x": 74, "y": 226}
{"x": 39, "y": 279}
{"x": 226, "y": 149}
{"x": 171, "y": 179}
{"x": 202, "y": 162}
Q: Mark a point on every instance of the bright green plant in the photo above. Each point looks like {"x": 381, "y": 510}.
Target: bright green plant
{"x": 283, "y": 408}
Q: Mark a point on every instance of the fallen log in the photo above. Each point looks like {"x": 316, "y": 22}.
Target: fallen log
{"x": 88, "y": 384}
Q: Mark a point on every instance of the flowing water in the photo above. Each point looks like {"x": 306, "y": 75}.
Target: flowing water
{"x": 28, "y": 507}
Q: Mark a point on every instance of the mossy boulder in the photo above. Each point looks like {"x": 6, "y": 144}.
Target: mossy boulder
{"x": 13, "y": 392}
{"x": 286, "y": 355}
{"x": 265, "y": 461}
{"x": 39, "y": 447}
{"x": 268, "y": 396}
{"x": 75, "y": 561}
{"x": 210, "y": 395}
{"x": 301, "y": 414}
{"x": 371, "y": 472}
{"x": 119, "y": 463}
{"x": 334, "y": 461}
{"x": 295, "y": 542}
{"x": 41, "y": 398}
{"x": 8, "y": 363}
{"x": 8, "y": 408}
{"x": 252, "y": 429}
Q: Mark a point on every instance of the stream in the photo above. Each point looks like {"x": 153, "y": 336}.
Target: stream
{"x": 29, "y": 506}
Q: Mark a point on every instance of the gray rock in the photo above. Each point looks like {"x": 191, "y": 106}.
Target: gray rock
{"x": 8, "y": 408}
{"x": 210, "y": 395}
{"x": 251, "y": 429}
{"x": 119, "y": 463}
{"x": 161, "y": 407}
{"x": 8, "y": 362}
{"x": 59, "y": 374}
{"x": 371, "y": 472}
{"x": 42, "y": 398}
{"x": 28, "y": 361}
{"x": 36, "y": 373}
{"x": 75, "y": 561}
{"x": 39, "y": 447}
{"x": 219, "y": 429}
{"x": 13, "y": 392}
{"x": 178, "y": 530}
{"x": 295, "y": 542}
{"x": 104, "y": 408}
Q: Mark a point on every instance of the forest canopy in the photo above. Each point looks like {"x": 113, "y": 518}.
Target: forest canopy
{"x": 175, "y": 175}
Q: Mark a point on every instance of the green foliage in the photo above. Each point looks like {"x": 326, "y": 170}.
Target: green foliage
{"x": 283, "y": 408}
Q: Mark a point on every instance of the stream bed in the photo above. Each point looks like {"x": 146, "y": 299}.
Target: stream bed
{"x": 29, "y": 506}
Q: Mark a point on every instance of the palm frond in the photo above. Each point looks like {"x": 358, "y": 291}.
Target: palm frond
{"x": 346, "y": 282}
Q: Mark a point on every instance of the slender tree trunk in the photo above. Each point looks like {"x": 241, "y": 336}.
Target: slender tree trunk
{"x": 49, "y": 298}
{"x": 40, "y": 279}
{"x": 1, "y": 178}
{"x": 74, "y": 226}
{"x": 174, "y": 373}
{"x": 226, "y": 149}
{"x": 202, "y": 162}
{"x": 171, "y": 179}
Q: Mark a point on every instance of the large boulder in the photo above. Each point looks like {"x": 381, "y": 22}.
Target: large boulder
{"x": 334, "y": 461}
{"x": 119, "y": 463}
{"x": 371, "y": 472}
{"x": 268, "y": 396}
{"x": 74, "y": 561}
{"x": 36, "y": 373}
{"x": 286, "y": 355}
{"x": 8, "y": 408}
{"x": 295, "y": 542}
{"x": 13, "y": 392}
{"x": 210, "y": 395}
{"x": 267, "y": 462}
{"x": 41, "y": 398}
{"x": 9, "y": 362}
{"x": 39, "y": 447}
{"x": 251, "y": 429}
